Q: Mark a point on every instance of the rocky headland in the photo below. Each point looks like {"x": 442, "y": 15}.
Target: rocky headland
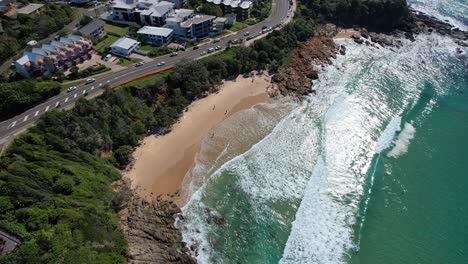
{"x": 149, "y": 228}
{"x": 297, "y": 77}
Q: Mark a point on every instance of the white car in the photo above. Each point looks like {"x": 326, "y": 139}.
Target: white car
{"x": 218, "y": 48}
{"x": 210, "y": 50}
{"x": 161, "y": 63}
{"x": 90, "y": 81}
{"x": 107, "y": 57}
{"x": 246, "y": 33}
{"x": 71, "y": 89}
{"x": 203, "y": 53}
{"x": 138, "y": 64}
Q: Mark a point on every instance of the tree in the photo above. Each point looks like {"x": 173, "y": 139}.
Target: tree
{"x": 122, "y": 155}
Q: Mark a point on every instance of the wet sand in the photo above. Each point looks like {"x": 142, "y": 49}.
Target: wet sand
{"x": 162, "y": 162}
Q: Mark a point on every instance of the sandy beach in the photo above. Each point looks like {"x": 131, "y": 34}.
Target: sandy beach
{"x": 162, "y": 162}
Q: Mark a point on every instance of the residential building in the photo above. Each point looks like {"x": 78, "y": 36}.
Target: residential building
{"x": 31, "y": 9}
{"x": 5, "y": 6}
{"x": 241, "y": 8}
{"x": 143, "y": 12}
{"x": 156, "y": 35}
{"x": 188, "y": 26}
{"x": 219, "y": 24}
{"x": 94, "y": 31}
{"x": 32, "y": 64}
{"x": 124, "y": 46}
{"x": 57, "y": 55}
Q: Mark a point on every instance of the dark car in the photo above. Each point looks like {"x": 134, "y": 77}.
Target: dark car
{"x": 196, "y": 47}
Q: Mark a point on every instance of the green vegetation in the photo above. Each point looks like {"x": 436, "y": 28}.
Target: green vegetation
{"x": 16, "y": 97}
{"x": 211, "y": 9}
{"x": 104, "y": 44}
{"x": 128, "y": 61}
{"x": 238, "y": 26}
{"x": 20, "y": 30}
{"x": 92, "y": 70}
{"x": 261, "y": 10}
{"x": 150, "y": 80}
{"x": 381, "y": 15}
{"x": 116, "y": 30}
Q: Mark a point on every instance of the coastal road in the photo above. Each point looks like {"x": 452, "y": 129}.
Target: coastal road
{"x": 13, "y": 126}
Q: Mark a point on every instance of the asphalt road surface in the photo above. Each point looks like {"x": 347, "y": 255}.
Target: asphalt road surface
{"x": 9, "y": 128}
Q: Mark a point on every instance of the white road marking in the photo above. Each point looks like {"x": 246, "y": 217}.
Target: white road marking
{"x": 47, "y": 109}
{"x": 74, "y": 96}
{"x": 37, "y": 112}
{"x": 25, "y": 118}
{"x": 66, "y": 99}
{"x": 13, "y": 124}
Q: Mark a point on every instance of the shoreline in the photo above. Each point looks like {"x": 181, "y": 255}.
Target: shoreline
{"x": 161, "y": 163}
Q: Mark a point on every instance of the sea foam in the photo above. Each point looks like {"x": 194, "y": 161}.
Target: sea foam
{"x": 403, "y": 141}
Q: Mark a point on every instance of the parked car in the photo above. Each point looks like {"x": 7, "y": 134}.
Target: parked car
{"x": 216, "y": 40}
{"x": 71, "y": 89}
{"x": 196, "y": 47}
{"x": 218, "y": 48}
{"x": 90, "y": 81}
{"x": 203, "y": 53}
{"x": 86, "y": 94}
{"x": 174, "y": 54}
{"x": 107, "y": 57}
{"x": 58, "y": 105}
{"x": 264, "y": 26}
{"x": 246, "y": 33}
{"x": 138, "y": 64}
{"x": 211, "y": 50}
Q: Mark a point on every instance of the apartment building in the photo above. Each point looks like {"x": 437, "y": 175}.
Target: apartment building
{"x": 156, "y": 35}
{"x": 143, "y": 12}
{"x": 94, "y": 31}
{"x": 188, "y": 26}
{"x": 57, "y": 55}
{"x": 241, "y": 8}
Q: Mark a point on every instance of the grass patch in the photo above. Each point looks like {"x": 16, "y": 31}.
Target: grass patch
{"x": 146, "y": 48}
{"x": 148, "y": 80}
{"x": 116, "y": 30}
{"x": 105, "y": 43}
{"x": 126, "y": 62}
{"x": 238, "y": 26}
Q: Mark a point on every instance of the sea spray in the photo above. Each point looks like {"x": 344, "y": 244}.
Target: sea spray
{"x": 403, "y": 141}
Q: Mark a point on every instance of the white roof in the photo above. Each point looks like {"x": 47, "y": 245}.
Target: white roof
{"x": 29, "y": 9}
{"x": 124, "y": 43}
{"x": 246, "y": 4}
{"x": 158, "y": 31}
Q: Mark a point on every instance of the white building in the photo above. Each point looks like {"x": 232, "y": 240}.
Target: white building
{"x": 156, "y": 35}
{"x": 241, "y": 8}
{"x": 143, "y": 12}
{"x": 190, "y": 27}
{"x": 124, "y": 46}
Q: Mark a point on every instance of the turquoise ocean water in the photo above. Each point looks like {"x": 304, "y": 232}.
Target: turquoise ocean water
{"x": 371, "y": 169}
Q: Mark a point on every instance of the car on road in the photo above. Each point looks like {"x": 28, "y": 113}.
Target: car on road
{"x": 58, "y": 105}
{"x": 71, "y": 89}
{"x": 246, "y": 33}
{"x": 218, "y": 48}
{"x": 173, "y": 54}
{"x": 211, "y": 50}
{"x": 138, "y": 64}
{"x": 196, "y": 47}
{"x": 85, "y": 94}
{"x": 216, "y": 40}
{"x": 264, "y": 26}
{"x": 203, "y": 53}
{"x": 90, "y": 81}
{"x": 161, "y": 63}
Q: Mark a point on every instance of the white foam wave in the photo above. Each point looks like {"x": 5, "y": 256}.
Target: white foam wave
{"x": 403, "y": 141}
{"x": 388, "y": 135}
{"x": 454, "y": 12}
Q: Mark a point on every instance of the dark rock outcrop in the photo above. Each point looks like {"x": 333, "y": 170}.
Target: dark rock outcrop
{"x": 150, "y": 232}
